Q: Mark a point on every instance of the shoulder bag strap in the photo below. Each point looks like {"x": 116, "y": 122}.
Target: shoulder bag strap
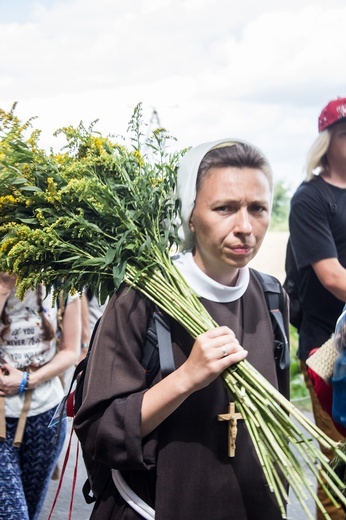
{"x": 273, "y": 295}
{"x": 164, "y": 341}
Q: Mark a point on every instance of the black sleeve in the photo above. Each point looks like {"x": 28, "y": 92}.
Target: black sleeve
{"x": 309, "y": 225}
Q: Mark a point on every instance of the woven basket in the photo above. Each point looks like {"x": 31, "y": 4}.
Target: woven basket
{"x": 322, "y": 361}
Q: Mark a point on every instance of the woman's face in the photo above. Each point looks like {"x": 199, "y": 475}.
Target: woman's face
{"x": 229, "y": 220}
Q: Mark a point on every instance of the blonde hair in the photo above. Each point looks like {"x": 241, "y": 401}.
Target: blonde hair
{"x": 316, "y": 162}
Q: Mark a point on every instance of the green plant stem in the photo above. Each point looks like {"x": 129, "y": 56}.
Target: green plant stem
{"x": 262, "y": 404}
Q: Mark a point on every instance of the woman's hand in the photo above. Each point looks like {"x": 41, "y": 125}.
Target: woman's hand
{"x": 211, "y": 354}
{"x": 10, "y": 380}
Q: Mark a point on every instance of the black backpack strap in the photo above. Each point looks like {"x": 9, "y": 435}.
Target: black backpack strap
{"x": 164, "y": 342}
{"x": 291, "y": 286}
{"x": 273, "y": 294}
{"x": 158, "y": 351}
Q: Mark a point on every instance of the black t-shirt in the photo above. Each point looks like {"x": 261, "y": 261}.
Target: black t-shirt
{"x": 317, "y": 232}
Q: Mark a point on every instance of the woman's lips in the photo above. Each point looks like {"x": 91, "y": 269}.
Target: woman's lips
{"x": 240, "y": 249}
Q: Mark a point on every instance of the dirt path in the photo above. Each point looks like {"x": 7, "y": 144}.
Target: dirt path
{"x": 271, "y": 256}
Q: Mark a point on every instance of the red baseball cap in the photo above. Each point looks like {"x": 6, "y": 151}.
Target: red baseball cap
{"x": 332, "y": 113}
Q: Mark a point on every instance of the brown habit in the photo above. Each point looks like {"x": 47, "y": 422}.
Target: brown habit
{"x": 182, "y": 469}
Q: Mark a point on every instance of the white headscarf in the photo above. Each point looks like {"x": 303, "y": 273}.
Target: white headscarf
{"x": 186, "y": 181}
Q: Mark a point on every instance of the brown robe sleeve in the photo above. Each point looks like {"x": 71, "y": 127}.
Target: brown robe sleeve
{"x": 108, "y": 422}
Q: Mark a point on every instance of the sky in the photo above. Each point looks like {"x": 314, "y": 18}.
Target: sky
{"x": 256, "y": 70}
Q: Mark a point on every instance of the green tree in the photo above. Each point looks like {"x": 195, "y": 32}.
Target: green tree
{"x": 281, "y": 206}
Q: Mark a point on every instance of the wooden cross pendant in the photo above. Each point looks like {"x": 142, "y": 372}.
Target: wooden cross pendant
{"x": 232, "y": 417}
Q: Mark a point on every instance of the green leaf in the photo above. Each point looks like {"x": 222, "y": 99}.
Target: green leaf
{"x": 28, "y": 220}
{"x": 30, "y": 188}
{"x": 118, "y": 274}
{"x": 110, "y": 254}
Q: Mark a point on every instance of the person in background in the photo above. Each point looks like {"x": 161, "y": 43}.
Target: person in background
{"x": 95, "y": 308}
{"x": 166, "y": 440}
{"x": 91, "y": 311}
{"x": 30, "y": 390}
{"x": 317, "y": 225}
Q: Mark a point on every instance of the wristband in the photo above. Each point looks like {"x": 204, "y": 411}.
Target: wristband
{"x": 24, "y": 383}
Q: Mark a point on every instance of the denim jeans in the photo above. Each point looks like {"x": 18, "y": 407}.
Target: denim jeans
{"x": 26, "y": 471}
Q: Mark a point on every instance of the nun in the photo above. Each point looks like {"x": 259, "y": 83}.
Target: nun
{"x": 165, "y": 442}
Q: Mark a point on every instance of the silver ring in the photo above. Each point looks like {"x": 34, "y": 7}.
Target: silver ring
{"x": 224, "y": 351}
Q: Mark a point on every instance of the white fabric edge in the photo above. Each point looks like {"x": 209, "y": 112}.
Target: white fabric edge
{"x": 130, "y": 496}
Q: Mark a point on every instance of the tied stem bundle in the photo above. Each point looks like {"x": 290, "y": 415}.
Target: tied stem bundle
{"x": 101, "y": 213}
{"x": 280, "y": 442}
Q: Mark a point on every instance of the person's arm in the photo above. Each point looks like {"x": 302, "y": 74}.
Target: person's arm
{"x": 69, "y": 347}
{"x": 313, "y": 242}
{"x": 85, "y": 324}
{"x": 204, "y": 364}
{"x": 7, "y": 283}
{"x": 332, "y": 276}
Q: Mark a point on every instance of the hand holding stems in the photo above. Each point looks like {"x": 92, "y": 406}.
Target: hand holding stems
{"x": 212, "y": 352}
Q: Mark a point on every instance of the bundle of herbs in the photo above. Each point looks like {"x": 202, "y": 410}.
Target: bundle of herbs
{"x": 100, "y": 213}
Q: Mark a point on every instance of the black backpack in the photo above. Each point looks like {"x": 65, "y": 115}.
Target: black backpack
{"x": 274, "y": 298}
{"x": 292, "y": 280}
{"x": 158, "y": 355}
{"x": 291, "y": 285}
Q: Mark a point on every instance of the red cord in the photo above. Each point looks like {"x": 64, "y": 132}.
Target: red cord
{"x": 62, "y": 476}
{"x": 74, "y": 482}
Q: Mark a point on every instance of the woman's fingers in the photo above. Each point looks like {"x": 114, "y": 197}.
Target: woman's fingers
{"x": 10, "y": 379}
{"x": 219, "y": 342}
{"x": 212, "y": 353}
{"x": 218, "y": 332}
{"x": 235, "y": 356}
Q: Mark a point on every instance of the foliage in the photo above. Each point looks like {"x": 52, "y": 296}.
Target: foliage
{"x": 299, "y": 393}
{"x": 281, "y": 206}
{"x": 81, "y": 215}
